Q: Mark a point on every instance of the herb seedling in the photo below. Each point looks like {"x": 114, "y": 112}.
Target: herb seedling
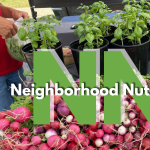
{"x": 42, "y": 32}
{"x": 130, "y": 24}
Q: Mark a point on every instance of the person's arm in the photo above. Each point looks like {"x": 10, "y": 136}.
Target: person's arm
{"x": 8, "y": 12}
{"x": 7, "y": 27}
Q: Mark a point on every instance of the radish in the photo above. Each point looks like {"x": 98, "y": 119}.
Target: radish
{"x": 137, "y": 108}
{"x": 21, "y": 114}
{"x": 128, "y": 146}
{"x": 63, "y": 144}
{"x": 69, "y": 118}
{"x": 108, "y": 128}
{"x": 50, "y": 133}
{"x": 24, "y": 145}
{"x": 25, "y": 130}
{"x": 55, "y": 124}
{"x": 104, "y": 147}
{"x": 126, "y": 122}
{"x": 86, "y": 142}
{"x": 57, "y": 99}
{"x": 124, "y": 116}
{"x": 70, "y": 137}
{"x": 36, "y": 140}
{"x": 5, "y": 145}
{"x": 53, "y": 141}
{"x": 64, "y": 131}
{"x": 141, "y": 122}
{"x": 9, "y": 135}
{"x": 4, "y": 124}
{"x": 63, "y": 109}
{"x": 53, "y": 114}
{"x": 132, "y": 129}
{"x": 106, "y": 138}
{"x": 132, "y": 115}
{"x": 142, "y": 116}
{"x": 15, "y": 126}
{"x": 47, "y": 126}
{"x": 117, "y": 125}
{"x": 99, "y": 133}
{"x": 90, "y": 148}
{"x": 10, "y": 113}
{"x": 132, "y": 101}
{"x": 74, "y": 129}
{"x": 3, "y": 114}
{"x": 128, "y": 137}
{"x": 119, "y": 139}
{"x": 91, "y": 133}
{"x": 141, "y": 129}
{"x": 17, "y": 134}
{"x": 102, "y": 116}
{"x": 122, "y": 130}
{"x": 33, "y": 148}
{"x": 115, "y": 148}
{"x": 130, "y": 107}
{"x": 112, "y": 139}
{"x": 44, "y": 146}
{"x": 146, "y": 142}
{"x": 26, "y": 138}
{"x": 134, "y": 122}
{"x": 79, "y": 138}
{"x": 31, "y": 97}
{"x": 98, "y": 142}
{"x": 72, "y": 146}
{"x": 93, "y": 126}
{"x": 64, "y": 136}
{"x": 136, "y": 143}
{"x": 134, "y": 148}
{"x": 137, "y": 135}
{"x": 39, "y": 129}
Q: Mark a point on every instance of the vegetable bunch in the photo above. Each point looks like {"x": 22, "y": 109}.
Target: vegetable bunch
{"x": 132, "y": 25}
{"x": 39, "y": 32}
{"x": 66, "y": 133}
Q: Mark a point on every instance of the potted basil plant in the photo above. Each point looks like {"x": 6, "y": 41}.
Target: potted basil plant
{"x": 90, "y": 37}
{"x": 131, "y": 35}
{"x": 41, "y": 36}
{"x": 99, "y": 11}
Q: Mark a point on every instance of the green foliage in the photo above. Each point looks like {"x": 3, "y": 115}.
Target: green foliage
{"x": 132, "y": 24}
{"x": 94, "y": 26}
{"x": 43, "y": 32}
{"x": 29, "y": 73}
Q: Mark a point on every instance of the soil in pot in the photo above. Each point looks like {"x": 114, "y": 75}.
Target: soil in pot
{"x": 139, "y": 54}
{"x": 27, "y": 51}
{"x": 76, "y": 48}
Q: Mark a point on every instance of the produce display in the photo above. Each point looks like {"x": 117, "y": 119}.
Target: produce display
{"x": 18, "y": 132}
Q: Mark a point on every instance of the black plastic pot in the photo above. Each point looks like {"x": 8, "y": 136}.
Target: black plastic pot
{"x": 29, "y": 55}
{"x": 140, "y": 54}
{"x": 111, "y": 36}
{"x": 74, "y": 48}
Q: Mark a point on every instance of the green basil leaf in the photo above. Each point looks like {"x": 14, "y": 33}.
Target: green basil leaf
{"x": 82, "y": 16}
{"x": 34, "y": 44}
{"x": 82, "y": 39}
{"x": 113, "y": 40}
{"x": 118, "y": 33}
{"x": 129, "y": 23}
{"x": 138, "y": 31}
{"x": 89, "y": 37}
{"x": 22, "y": 33}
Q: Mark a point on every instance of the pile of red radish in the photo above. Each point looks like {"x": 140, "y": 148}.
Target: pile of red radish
{"x": 66, "y": 134}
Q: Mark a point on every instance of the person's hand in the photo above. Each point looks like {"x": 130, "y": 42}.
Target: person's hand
{"x": 16, "y": 14}
{"x": 7, "y": 28}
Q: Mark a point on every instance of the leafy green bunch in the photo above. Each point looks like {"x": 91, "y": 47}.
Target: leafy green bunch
{"x": 132, "y": 25}
{"x": 99, "y": 11}
{"x": 38, "y": 31}
{"x": 89, "y": 33}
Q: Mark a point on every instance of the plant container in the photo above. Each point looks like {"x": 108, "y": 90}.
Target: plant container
{"x": 139, "y": 54}
{"x": 75, "y": 52}
{"x": 26, "y": 49}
